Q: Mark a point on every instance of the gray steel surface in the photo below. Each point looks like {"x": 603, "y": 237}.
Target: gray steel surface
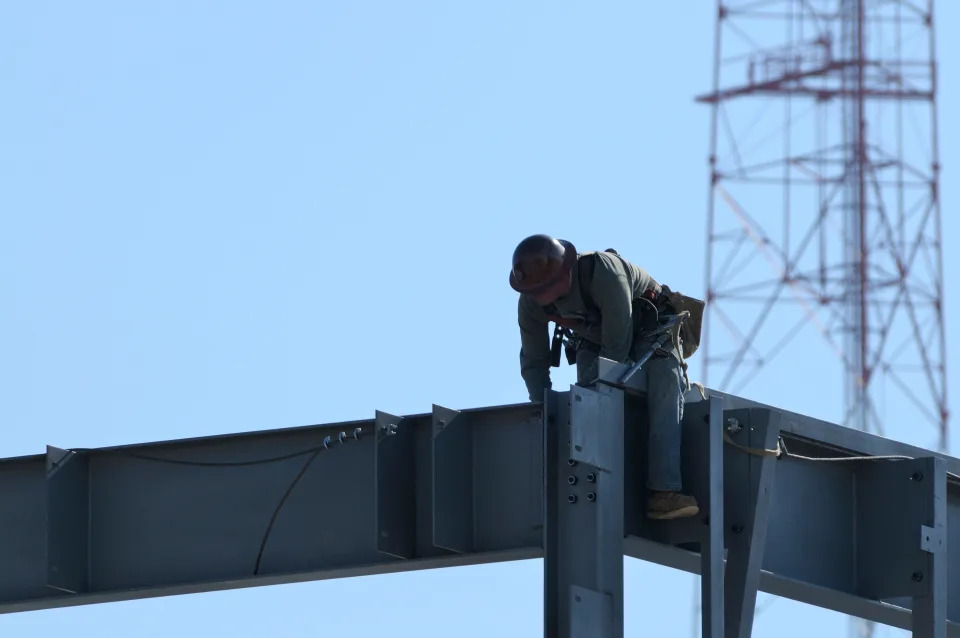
{"x": 711, "y": 547}
{"x": 583, "y": 505}
{"x": 452, "y": 488}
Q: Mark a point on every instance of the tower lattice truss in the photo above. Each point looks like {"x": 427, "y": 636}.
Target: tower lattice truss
{"x": 824, "y": 215}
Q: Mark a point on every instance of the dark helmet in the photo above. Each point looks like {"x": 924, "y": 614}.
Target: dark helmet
{"x": 539, "y": 261}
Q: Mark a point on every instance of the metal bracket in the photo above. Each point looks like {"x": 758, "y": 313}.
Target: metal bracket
{"x": 591, "y": 410}
{"x": 590, "y": 613}
{"x": 931, "y": 540}
{"x": 609, "y": 373}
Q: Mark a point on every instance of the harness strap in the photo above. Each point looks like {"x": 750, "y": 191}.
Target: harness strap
{"x": 585, "y": 268}
{"x": 566, "y": 322}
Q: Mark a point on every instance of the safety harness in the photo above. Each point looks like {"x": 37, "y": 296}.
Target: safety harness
{"x": 565, "y": 336}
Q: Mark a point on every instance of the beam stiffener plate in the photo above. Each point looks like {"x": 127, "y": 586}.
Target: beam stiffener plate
{"x": 453, "y": 497}
{"x": 395, "y": 469}
{"x": 68, "y": 521}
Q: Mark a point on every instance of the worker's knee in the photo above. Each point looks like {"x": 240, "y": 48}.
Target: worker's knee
{"x": 664, "y": 376}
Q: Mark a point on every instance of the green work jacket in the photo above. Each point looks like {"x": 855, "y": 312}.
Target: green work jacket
{"x": 615, "y": 285}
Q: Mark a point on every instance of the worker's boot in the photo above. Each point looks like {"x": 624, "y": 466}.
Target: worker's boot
{"x": 666, "y": 505}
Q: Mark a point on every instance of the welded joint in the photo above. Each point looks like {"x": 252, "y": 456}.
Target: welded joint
{"x": 931, "y": 539}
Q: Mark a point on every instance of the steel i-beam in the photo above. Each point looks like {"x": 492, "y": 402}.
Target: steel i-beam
{"x": 583, "y": 506}
{"x": 842, "y": 519}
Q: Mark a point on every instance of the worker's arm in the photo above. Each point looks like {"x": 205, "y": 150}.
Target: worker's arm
{"x": 614, "y": 296}
{"x": 534, "y": 348}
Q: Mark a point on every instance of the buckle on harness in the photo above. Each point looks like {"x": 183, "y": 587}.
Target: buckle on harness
{"x": 569, "y": 341}
{"x": 559, "y": 333}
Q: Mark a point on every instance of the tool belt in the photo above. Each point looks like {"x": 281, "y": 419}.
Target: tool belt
{"x": 689, "y": 329}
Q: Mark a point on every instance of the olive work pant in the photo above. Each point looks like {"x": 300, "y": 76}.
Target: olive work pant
{"x": 666, "y": 385}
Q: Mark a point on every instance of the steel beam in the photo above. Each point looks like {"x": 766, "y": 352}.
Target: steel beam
{"x": 583, "y": 503}
{"x": 750, "y": 514}
{"x": 85, "y": 526}
{"x": 712, "y": 548}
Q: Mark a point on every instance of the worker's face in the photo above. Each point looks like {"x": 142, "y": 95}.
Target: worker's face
{"x": 554, "y": 292}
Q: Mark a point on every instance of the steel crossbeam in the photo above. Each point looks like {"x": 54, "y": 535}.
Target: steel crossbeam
{"x": 562, "y": 481}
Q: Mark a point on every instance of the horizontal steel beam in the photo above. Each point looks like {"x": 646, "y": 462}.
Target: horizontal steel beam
{"x": 820, "y": 94}
{"x": 451, "y": 488}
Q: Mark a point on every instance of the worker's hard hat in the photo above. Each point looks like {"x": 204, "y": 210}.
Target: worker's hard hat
{"x": 539, "y": 261}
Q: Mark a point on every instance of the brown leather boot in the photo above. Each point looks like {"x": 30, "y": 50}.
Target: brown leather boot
{"x": 668, "y": 505}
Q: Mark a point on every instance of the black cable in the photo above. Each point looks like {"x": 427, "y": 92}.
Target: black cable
{"x": 276, "y": 511}
{"x": 219, "y": 464}
{"x": 313, "y": 452}
{"x": 145, "y": 457}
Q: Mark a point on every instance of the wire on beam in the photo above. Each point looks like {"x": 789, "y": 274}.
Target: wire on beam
{"x": 313, "y": 452}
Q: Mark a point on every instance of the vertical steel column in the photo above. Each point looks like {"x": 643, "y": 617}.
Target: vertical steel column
{"x": 902, "y": 541}
{"x": 749, "y": 530}
{"x": 711, "y": 548}
{"x": 583, "y": 511}
{"x": 930, "y": 608}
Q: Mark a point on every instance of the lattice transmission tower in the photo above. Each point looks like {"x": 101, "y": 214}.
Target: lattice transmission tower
{"x": 824, "y": 211}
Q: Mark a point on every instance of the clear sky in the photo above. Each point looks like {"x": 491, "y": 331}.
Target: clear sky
{"x": 229, "y": 216}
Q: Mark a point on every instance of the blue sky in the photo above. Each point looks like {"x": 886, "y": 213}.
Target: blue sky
{"x": 222, "y": 216}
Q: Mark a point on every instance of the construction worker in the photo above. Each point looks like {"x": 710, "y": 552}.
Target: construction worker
{"x": 604, "y": 303}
